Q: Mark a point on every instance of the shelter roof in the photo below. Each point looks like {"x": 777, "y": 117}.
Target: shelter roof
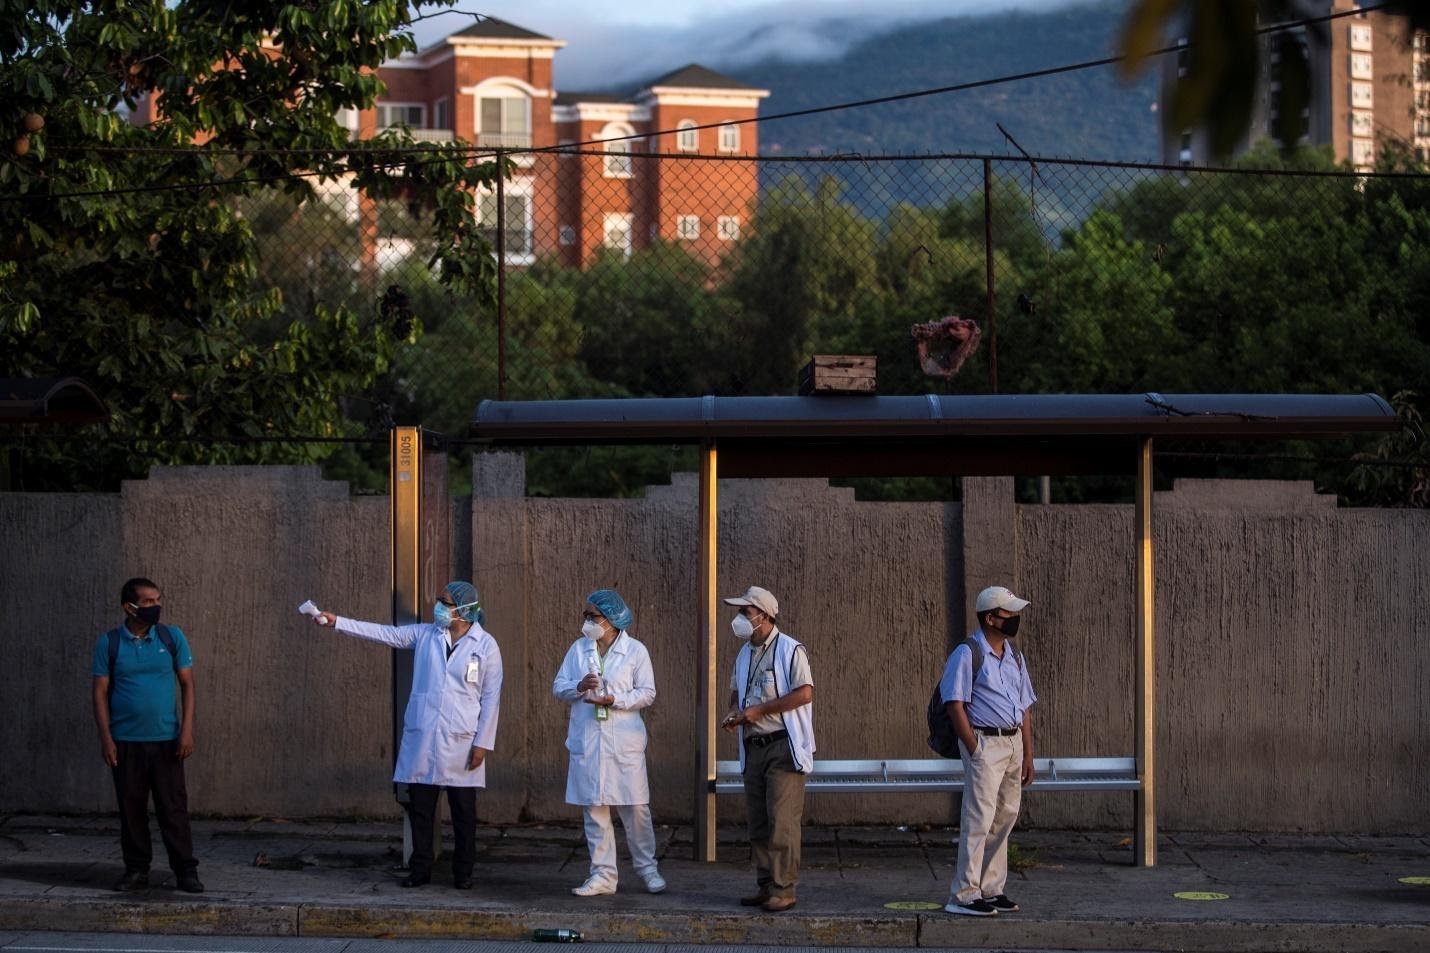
{"x": 939, "y": 434}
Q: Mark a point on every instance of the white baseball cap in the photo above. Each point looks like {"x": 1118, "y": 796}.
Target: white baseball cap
{"x": 761, "y": 599}
{"x": 999, "y": 597}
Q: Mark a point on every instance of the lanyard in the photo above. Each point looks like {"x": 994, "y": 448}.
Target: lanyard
{"x": 755, "y": 665}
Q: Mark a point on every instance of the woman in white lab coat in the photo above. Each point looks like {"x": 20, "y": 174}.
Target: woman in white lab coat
{"x": 450, "y": 724}
{"x": 607, "y": 679}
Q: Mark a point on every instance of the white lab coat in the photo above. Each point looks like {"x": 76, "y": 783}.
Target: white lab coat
{"x": 448, "y": 714}
{"x": 607, "y": 757}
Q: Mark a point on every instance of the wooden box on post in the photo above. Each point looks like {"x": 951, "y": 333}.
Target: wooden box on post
{"x": 839, "y": 374}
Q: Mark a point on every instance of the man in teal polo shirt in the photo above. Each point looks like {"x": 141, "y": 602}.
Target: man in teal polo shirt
{"x": 143, "y": 735}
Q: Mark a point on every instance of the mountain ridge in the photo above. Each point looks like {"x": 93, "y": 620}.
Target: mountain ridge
{"x": 1085, "y": 114}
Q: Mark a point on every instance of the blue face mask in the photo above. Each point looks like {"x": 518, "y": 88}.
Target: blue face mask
{"x": 444, "y": 615}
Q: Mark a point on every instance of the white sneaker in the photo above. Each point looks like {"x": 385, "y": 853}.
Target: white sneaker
{"x": 654, "y": 882}
{"x": 594, "y": 888}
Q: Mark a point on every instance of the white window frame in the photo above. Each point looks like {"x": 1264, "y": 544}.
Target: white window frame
{"x": 513, "y": 189}
{"x": 729, "y": 139}
{"x": 507, "y": 135}
{"x": 1362, "y": 153}
{"x": 687, "y": 137}
{"x": 1362, "y": 37}
{"x": 1362, "y": 123}
{"x": 421, "y": 115}
{"x": 1362, "y": 96}
{"x": 617, "y": 162}
{"x": 1362, "y": 66}
{"x": 687, "y": 227}
{"x": 625, "y": 222}
{"x": 728, "y": 228}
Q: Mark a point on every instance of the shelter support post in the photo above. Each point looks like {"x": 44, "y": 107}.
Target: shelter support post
{"x": 405, "y": 500}
{"x": 1144, "y": 840}
{"x": 705, "y": 666}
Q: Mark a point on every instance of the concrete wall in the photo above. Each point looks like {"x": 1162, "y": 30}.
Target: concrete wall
{"x": 1293, "y": 657}
{"x": 286, "y": 719}
{"x": 1293, "y": 637}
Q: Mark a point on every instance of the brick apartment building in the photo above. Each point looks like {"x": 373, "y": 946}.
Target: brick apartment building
{"x": 1370, "y": 85}
{"x": 491, "y": 84}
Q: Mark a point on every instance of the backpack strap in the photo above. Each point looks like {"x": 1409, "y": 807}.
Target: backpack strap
{"x": 166, "y": 638}
{"x": 113, "y": 636}
{"x": 977, "y": 652}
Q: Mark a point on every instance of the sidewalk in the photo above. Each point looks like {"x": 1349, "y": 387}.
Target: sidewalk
{"x": 268, "y": 877}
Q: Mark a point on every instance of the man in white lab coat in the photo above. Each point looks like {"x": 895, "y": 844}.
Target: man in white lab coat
{"x": 450, "y": 725}
{"x": 607, "y": 679}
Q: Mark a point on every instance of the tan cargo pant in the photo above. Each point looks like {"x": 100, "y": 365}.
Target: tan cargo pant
{"x": 992, "y": 794}
{"x": 774, "y": 802}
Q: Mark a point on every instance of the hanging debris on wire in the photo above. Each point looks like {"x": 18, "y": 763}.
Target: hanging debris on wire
{"x": 944, "y": 345}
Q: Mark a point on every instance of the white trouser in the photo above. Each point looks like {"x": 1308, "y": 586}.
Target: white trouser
{"x": 601, "y": 839}
{"x": 992, "y": 793}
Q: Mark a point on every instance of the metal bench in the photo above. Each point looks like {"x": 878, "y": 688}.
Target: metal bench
{"x": 944, "y": 774}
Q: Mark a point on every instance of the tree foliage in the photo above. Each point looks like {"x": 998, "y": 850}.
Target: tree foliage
{"x": 128, "y": 259}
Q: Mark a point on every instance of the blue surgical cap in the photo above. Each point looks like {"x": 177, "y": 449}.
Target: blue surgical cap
{"x": 613, "y": 607}
{"x": 464, "y": 594}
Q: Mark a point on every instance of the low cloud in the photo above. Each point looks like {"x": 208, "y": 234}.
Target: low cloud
{"x": 605, "y": 54}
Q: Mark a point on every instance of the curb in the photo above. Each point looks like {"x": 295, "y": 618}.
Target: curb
{"x": 1006, "y": 933}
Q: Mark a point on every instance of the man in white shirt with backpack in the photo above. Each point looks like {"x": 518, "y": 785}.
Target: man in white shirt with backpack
{"x": 987, "y": 692}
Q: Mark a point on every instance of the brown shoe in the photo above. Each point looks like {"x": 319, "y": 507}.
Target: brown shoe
{"x": 778, "y": 904}
{"x": 758, "y": 900}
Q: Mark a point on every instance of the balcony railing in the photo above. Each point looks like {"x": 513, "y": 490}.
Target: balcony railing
{"x": 433, "y": 135}
{"x": 504, "y": 140}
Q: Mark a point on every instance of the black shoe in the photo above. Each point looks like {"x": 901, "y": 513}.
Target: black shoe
{"x": 462, "y": 883}
{"x": 977, "y": 908}
{"x": 189, "y": 883}
{"x": 415, "y": 880}
{"x": 1001, "y": 903}
{"x": 133, "y": 880}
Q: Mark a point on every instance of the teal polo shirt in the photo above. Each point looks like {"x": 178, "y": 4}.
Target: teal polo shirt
{"x": 144, "y": 703}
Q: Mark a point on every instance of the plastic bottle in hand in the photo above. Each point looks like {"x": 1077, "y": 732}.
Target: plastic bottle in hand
{"x": 593, "y": 666}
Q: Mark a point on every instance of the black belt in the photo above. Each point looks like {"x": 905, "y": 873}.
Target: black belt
{"x": 997, "y": 732}
{"x": 760, "y": 741}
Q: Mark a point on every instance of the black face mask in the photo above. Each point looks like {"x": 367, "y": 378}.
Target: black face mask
{"x": 149, "y": 615}
{"x": 1009, "y": 627}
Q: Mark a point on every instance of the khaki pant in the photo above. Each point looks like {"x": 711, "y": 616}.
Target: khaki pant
{"x": 992, "y": 793}
{"x": 774, "y": 801}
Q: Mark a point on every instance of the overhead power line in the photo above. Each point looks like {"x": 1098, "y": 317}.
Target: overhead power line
{"x": 488, "y": 153}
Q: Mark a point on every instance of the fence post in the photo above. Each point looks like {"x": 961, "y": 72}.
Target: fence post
{"x": 988, "y": 274}
{"x": 501, "y": 275}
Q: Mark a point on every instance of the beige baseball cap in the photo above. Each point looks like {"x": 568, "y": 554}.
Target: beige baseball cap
{"x": 761, "y": 599}
{"x": 998, "y": 597}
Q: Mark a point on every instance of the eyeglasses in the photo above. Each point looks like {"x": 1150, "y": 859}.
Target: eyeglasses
{"x": 592, "y": 617}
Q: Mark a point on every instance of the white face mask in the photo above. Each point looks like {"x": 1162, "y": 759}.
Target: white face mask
{"x": 593, "y": 630}
{"x": 742, "y": 626}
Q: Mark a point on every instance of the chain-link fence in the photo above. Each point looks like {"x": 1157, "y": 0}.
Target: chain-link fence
{"x": 634, "y": 274}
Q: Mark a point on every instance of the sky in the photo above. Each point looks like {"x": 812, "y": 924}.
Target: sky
{"x": 625, "y": 41}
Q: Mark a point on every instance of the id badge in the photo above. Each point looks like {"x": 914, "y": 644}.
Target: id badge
{"x": 474, "y": 671}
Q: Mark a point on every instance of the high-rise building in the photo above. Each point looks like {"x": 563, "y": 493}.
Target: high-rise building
{"x": 1369, "y": 87}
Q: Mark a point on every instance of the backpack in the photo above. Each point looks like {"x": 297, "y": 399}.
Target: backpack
{"x": 942, "y": 738}
{"x": 166, "y": 638}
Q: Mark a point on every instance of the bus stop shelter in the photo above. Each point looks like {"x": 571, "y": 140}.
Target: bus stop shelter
{"x": 928, "y": 435}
